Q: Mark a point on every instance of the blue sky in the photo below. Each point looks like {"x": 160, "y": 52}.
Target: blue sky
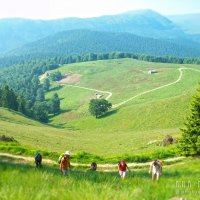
{"x": 53, "y": 9}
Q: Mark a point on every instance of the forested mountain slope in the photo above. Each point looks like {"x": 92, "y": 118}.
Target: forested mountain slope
{"x": 76, "y": 42}
{"x": 17, "y": 32}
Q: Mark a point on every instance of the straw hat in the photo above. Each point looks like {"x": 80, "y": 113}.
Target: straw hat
{"x": 68, "y": 153}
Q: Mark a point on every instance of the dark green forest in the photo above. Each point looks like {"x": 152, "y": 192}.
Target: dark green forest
{"x": 77, "y": 42}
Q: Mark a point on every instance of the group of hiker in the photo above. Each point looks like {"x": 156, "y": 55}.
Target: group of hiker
{"x": 64, "y": 161}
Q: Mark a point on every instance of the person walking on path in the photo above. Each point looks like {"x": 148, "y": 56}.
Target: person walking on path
{"x": 122, "y": 167}
{"x": 38, "y": 159}
{"x": 65, "y": 163}
{"x": 93, "y": 166}
{"x": 156, "y": 169}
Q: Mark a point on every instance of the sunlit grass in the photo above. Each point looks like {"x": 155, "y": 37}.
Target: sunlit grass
{"x": 47, "y": 183}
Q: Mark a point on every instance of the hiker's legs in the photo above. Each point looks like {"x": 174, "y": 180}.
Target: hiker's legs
{"x": 65, "y": 172}
{"x": 157, "y": 176}
{"x": 120, "y": 173}
{"x": 153, "y": 176}
{"x": 123, "y": 174}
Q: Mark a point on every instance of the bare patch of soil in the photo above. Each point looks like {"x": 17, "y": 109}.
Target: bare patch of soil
{"x": 71, "y": 78}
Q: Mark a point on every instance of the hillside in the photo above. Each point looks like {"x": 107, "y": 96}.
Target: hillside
{"x": 150, "y": 116}
{"x": 17, "y": 32}
{"x": 32, "y": 133}
{"x": 76, "y": 42}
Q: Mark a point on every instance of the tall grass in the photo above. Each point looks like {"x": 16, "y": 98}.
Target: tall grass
{"x": 22, "y": 182}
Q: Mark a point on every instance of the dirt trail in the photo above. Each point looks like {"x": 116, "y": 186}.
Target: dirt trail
{"x": 140, "y": 94}
{"x": 86, "y": 88}
{"x": 48, "y": 161}
{"x": 163, "y": 86}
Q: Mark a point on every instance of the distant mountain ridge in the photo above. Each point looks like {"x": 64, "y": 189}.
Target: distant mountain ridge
{"x": 76, "y": 42}
{"x": 17, "y": 32}
{"x": 189, "y": 23}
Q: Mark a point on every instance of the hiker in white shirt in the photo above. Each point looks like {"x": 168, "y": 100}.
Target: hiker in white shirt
{"x": 156, "y": 169}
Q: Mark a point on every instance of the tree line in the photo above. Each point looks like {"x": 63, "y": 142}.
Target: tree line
{"x": 39, "y": 109}
{"x": 54, "y": 61}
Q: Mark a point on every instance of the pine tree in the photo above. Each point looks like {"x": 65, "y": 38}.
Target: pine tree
{"x": 46, "y": 84}
{"x": 40, "y": 111}
{"x": 190, "y": 141}
{"x": 54, "y": 104}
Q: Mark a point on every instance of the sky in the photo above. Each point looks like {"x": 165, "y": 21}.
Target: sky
{"x": 54, "y": 9}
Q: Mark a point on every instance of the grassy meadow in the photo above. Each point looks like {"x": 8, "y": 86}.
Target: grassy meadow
{"x": 178, "y": 180}
{"x": 133, "y": 131}
{"x": 134, "y": 128}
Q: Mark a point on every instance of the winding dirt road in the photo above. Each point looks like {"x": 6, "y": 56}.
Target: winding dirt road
{"x": 138, "y": 95}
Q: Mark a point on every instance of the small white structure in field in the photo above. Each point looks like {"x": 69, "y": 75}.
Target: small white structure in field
{"x": 98, "y": 96}
{"x": 152, "y": 71}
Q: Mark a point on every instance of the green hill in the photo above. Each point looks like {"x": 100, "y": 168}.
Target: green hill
{"x": 146, "y": 109}
{"x": 144, "y": 119}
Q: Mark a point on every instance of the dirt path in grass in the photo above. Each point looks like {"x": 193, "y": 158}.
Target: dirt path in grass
{"x": 104, "y": 166}
{"x": 86, "y": 88}
{"x": 140, "y": 94}
{"x": 158, "y": 88}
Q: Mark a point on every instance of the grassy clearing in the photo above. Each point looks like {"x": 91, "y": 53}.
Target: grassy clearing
{"x": 129, "y": 129}
{"x": 47, "y": 183}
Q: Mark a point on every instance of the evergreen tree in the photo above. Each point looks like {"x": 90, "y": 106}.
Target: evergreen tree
{"x": 190, "y": 141}
{"x": 46, "y": 84}
{"x": 40, "y": 95}
{"x": 40, "y": 111}
{"x": 5, "y": 97}
{"x": 54, "y": 105}
{"x": 21, "y": 105}
{"x": 13, "y": 103}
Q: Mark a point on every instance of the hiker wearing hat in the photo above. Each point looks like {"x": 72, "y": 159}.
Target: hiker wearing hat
{"x": 122, "y": 166}
{"x": 65, "y": 163}
{"x": 156, "y": 169}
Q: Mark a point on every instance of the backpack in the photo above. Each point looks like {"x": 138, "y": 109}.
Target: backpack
{"x": 60, "y": 158}
{"x": 38, "y": 157}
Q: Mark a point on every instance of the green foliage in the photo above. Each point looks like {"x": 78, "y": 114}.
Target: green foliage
{"x": 56, "y": 76}
{"x": 98, "y": 107}
{"x": 40, "y": 95}
{"x": 46, "y": 84}
{"x": 77, "y": 42}
{"x": 40, "y": 111}
{"x": 54, "y": 104}
{"x": 189, "y": 143}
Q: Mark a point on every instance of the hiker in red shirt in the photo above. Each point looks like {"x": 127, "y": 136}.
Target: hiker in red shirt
{"x": 122, "y": 166}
